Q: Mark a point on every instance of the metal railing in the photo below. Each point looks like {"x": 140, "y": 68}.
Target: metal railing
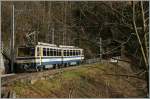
{"x": 90, "y": 61}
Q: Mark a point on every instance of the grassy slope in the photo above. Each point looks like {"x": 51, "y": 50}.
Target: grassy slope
{"x": 86, "y": 81}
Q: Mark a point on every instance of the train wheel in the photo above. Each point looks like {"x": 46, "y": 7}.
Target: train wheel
{"x": 54, "y": 66}
{"x": 67, "y": 64}
{"x": 64, "y": 64}
{"x": 58, "y": 65}
{"x": 78, "y": 63}
{"x": 37, "y": 69}
{"x": 41, "y": 68}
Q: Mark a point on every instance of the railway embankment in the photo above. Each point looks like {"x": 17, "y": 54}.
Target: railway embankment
{"x": 92, "y": 80}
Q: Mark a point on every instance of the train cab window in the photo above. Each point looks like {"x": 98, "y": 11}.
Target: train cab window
{"x": 51, "y": 52}
{"x": 44, "y": 51}
{"x": 26, "y": 51}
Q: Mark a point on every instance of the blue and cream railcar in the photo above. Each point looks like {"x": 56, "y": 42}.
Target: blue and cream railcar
{"x": 44, "y": 56}
{"x": 71, "y": 55}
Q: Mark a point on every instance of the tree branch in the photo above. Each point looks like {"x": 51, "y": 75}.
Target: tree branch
{"x": 116, "y": 11}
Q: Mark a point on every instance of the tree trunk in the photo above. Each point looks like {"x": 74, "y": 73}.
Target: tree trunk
{"x": 138, "y": 37}
{"x": 144, "y": 29}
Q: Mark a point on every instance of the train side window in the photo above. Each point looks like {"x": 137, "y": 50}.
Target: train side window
{"x": 54, "y": 52}
{"x": 44, "y": 51}
{"x": 59, "y": 52}
{"x": 74, "y": 53}
{"x": 79, "y": 52}
{"x": 70, "y": 52}
{"x": 65, "y": 52}
{"x": 51, "y": 52}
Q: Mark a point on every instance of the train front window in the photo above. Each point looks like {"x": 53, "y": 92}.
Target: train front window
{"x": 27, "y": 51}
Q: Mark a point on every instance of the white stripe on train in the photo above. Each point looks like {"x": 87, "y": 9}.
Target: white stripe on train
{"x": 49, "y": 60}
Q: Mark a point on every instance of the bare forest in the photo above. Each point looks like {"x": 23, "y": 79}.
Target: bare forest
{"x": 103, "y": 29}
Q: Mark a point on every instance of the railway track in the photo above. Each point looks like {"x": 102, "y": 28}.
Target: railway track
{"x": 10, "y": 78}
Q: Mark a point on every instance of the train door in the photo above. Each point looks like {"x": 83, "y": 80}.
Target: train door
{"x": 39, "y": 55}
{"x": 62, "y": 56}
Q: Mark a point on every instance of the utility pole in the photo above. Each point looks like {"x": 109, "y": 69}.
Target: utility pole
{"x": 2, "y": 69}
{"x": 53, "y": 30}
{"x": 100, "y": 48}
{"x": 100, "y": 43}
{"x": 65, "y": 27}
{"x": 12, "y": 40}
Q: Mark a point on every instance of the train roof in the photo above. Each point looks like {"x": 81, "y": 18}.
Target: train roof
{"x": 64, "y": 46}
{"x": 47, "y": 44}
{"x": 53, "y": 45}
{"x": 68, "y": 47}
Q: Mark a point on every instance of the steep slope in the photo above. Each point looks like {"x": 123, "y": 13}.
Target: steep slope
{"x": 85, "y": 82}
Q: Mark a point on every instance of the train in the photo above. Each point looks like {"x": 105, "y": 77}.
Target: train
{"x": 45, "y": 56}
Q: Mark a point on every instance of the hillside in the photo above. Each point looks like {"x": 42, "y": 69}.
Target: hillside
{"x": 95, "y": 80}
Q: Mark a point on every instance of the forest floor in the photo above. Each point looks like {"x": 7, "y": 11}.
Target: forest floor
{"x": 95, "y": 80}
